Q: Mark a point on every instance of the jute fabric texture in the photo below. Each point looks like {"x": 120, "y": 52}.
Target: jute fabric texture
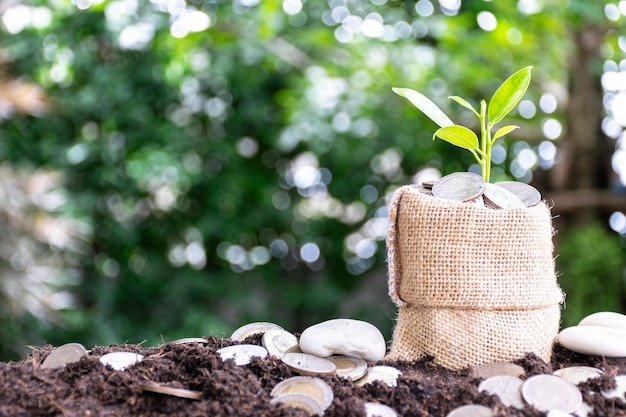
{"x": 472, "y": 285}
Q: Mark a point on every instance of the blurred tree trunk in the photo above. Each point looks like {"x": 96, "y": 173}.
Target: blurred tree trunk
{"x": 579, "y": 185}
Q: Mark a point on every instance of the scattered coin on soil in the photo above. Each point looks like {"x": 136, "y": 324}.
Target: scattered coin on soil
{"x": 61, "y": 356}
{"x": 620, "y": 389}
{"x": 507, "y": 388}
{"x": 349, "y": 366}
{"x": 278, "y": 341}
{"x": 557, "y": 413}
{"x": 172, "y": 391}
{"x": 253, "y": 328}
{"x": 120, "y": 360}
{"x": 584, "y": 410}
{"x": 386, "y": 374}
{"x": 315, "y": 388}
{"x": 578, "y": 374}
{"x": 472, "y": 410}
{"x": 379, "y": 410}
{"x": 550, "y": 392}
{"x": 189, "y": 340}
{"x": 306, "y": 364}
{"x": 242, "y": 354}
{"x": 425, "y": 388}
{"x": 497, "y": 368}
{"x": 300, "y": 401}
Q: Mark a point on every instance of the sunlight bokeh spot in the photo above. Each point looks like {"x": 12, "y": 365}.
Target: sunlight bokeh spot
{"x": 527, "y": 109}
{"x": 292, "y": 7}
{"x": 551, "y": 128}
{"x": 487, "y": 21}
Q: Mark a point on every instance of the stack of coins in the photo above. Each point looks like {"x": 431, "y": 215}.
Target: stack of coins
{"x": 467, "y": 187}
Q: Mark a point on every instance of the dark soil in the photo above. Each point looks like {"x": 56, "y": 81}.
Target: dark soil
{"x": 88, "y": 388}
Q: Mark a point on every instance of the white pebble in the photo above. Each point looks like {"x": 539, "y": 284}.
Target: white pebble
{"x": 594, "y": 340}
{"x": 344, "y": 337}
{"x": 605, "y": 319}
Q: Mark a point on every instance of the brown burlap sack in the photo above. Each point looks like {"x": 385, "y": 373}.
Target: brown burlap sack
{"x": 473, "y": 285}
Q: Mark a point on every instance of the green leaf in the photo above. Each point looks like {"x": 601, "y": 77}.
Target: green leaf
{"x": 464, "y": 103}
{"x": 503, "y": 131}
{"x": 508, "y": 95}
{"x": 459, "y": 136}
{"x": 424, "y": 104}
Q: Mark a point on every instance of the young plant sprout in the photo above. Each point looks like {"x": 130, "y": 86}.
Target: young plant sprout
{"x": 502, "y": 102}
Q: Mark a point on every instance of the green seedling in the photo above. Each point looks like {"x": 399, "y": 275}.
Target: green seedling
{"x": 506, "y": 97}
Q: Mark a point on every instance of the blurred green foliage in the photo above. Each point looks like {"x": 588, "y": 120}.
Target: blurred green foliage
{"x": 219, "y": 162}
{"x": 591, "y": 263}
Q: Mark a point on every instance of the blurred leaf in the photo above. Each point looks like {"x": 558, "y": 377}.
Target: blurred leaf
{"x": 425, "y": 105}
{"x": 464, "y": 103}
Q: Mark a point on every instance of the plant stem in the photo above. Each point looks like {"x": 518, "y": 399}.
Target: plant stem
{"x": 484, "y": 140}
{"x": 488, "y": 154}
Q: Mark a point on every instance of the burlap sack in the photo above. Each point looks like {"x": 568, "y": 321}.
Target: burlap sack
{"x": 472, "y": 285}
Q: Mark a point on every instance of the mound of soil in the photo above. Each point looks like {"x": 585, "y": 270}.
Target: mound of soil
{"x": 88, "y": 388}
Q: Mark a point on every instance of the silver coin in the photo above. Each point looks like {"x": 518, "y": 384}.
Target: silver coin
{"x": 189, "y": 340}
{"x": 61, "y": 356}
{"x": 584, "y": 410}
{"x": 428, "y": 184}
{"x": 472, "y": 410}
{"x": 306, "y": 364}
{"x": 278, "y": 341}
{"x": 500, "y": 198}
{"x": 423, "y": 190}
{"x": 507, "y": 388}
{"x": 578, "y": 374}
{"x": 557, "y": 413}
{"x": 480, "y": 202}
{"x": 253, "y": 328}
{"x": 620, "y": 389}
{"x": 120, "y": 360}
{"x": 172, "y": 391}
{"x": 242, "y": 354}
{"x": 459, "y": 186}
{"x": 300, "y": 401}
{"x": 498, "y": 368}
{"x": 349, "y": 366}
{"x": 385, "y": 374}
{"x": 379, "y": 410}
{"x": 550, "y": 392}
{"x": 525, "y": 192}
{"x": 315, "y": 388}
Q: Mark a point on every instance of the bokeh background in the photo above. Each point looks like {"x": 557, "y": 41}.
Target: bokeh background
{"x": 177, "y": 168}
